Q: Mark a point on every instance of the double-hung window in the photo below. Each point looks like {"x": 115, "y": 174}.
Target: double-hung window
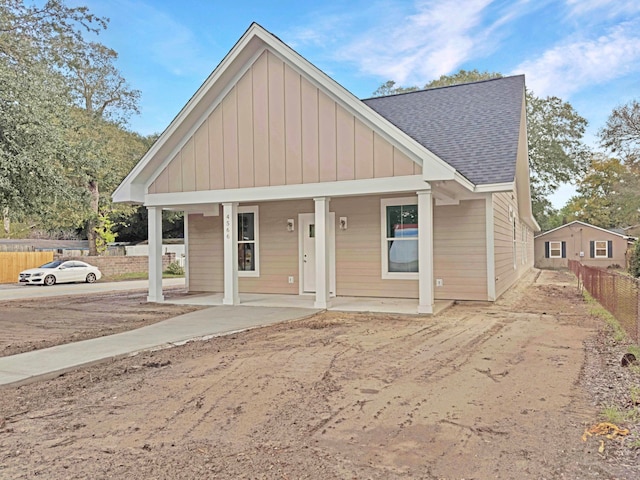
{"x": 399, "y": 221}
{"x": 248, "y": 257}
{"x": 601, "y": 249}
{"x": 555, "y": 249}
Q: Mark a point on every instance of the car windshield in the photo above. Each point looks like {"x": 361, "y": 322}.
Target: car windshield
{"x": 53, "y": 264}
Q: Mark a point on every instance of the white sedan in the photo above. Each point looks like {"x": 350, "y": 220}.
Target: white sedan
{"x": 60, "y": 271}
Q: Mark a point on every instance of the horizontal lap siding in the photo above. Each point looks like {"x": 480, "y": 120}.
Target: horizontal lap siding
{"x": 358, "y": 252}
{"x": 206, "y": 261}
{"x": 460, "y": 252}
{"x": 278, "y": 249}
{"x": 506, "y": 274}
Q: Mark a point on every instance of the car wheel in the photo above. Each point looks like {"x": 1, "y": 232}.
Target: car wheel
{"x": 91, "y": 278}
{"x": 49, "y": 280}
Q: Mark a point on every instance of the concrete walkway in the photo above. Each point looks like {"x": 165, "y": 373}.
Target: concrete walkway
{"x": 211, "y": 322}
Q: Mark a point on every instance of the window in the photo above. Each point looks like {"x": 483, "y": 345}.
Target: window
{"x": 555, "y": 249}
{"x": 601, "y": 249}
{"x": 399, "y": 221}
{"x": 248, "y": 265}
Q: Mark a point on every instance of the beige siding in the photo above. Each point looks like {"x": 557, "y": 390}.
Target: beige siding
{"x": 459, "y": 251}
{"x": 275, "y": 127}
{"x": 278, "y": 249}
{"x": 206, "y": 260}
{"x": 578, "y": 238}
{"x": 509, "y": 266}
{"x": 359, "y": 255}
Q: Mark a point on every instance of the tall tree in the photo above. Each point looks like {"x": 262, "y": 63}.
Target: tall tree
{"x": 621, "y": 134}
{"x": 601, "y": 198}
{"x": 34, "y": 100}
{"x": 105, "y": 100}
{"x": 554, "y": 131}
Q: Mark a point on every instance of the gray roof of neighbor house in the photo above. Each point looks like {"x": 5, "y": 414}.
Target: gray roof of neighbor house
{"x": 474, "y": 127}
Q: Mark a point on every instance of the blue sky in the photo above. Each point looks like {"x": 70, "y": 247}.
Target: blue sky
{"x": 586, "y": 52}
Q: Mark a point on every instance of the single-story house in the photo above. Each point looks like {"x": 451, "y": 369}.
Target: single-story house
{"x": 292, "y": 185}
{"x": 580, "y": 241}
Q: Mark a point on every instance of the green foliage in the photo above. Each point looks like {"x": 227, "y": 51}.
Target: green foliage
{"x": 174, "y": 268}
{"x": 463, "y": 76}
{"x": 105, "y": 233}
{"x": 389, "y": 88}
{"x": 600, "y": 200}
{"x": 634, "y": 261}
{"x": 621, "y": 134}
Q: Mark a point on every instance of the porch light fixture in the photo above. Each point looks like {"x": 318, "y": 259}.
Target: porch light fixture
{"x": 343, "y": 223}
{"x": 291, "y": 226}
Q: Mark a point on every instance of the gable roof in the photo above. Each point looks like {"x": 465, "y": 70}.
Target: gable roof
{"x": 255, "y": 41}
{"x": 585, "y": 225}
{"x": 474, "y": 127}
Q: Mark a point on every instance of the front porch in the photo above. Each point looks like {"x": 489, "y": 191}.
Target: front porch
{"x": 403, "y": 306}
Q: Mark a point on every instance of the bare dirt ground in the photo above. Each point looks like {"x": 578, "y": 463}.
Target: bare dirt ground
{"x": 34, "y": 324}
{"x": 480, "y": 391}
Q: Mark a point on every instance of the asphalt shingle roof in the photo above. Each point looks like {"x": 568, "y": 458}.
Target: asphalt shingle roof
{"x": 474, "y": 127}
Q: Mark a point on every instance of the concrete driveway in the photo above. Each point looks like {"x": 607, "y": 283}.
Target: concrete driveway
{"x": 22, "y": 292}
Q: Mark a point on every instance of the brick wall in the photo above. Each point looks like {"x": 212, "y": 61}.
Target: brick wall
{"x": 118, "y": 265}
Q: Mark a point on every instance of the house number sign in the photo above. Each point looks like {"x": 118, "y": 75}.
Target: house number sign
{"x": 228, "y": 225}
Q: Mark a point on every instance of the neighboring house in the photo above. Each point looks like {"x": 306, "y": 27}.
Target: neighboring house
{"x": 291, "y": 185}
{"x": 581, "y": 241}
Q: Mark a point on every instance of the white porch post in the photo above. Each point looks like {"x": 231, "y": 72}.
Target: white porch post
{"x": 230, "y": 222}
{"x": 322, "y": 252}
{"x": 425, "y": 252}
{"x": 155, "y": 254}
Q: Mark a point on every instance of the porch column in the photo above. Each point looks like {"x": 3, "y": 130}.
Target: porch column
{"x": 425, "y": 252}
{"x": 154, "y": 215}
{"x": 230, "y": 221}
{"x": 322, "y": 252}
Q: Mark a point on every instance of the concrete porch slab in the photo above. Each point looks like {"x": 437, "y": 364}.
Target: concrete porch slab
{"x": 404, "y": 306}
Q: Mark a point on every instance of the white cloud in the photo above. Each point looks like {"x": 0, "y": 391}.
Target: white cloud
{"x": 438, "y": 36}
{"x": 573, "y": 65}
{"x": 606, "y": 8}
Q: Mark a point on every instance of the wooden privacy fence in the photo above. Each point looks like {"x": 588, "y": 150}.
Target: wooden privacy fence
{"x": 12, "y": 263}
{"x": 619, "y": 294}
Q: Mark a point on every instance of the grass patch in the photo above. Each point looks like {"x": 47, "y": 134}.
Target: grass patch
{"x": 136, "y": 276}
{"x": 617, "y": 415}
{"x": 619, "y": 334}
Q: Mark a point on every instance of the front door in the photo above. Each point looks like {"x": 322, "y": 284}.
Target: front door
{"x": 306, "y": 221}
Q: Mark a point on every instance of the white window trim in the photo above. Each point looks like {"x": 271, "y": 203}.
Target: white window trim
{"x": 256, "y": 241}
{"x": 384, "y": 203}
{"x": 551, "y": 249}
{"x": 595, "y": 249}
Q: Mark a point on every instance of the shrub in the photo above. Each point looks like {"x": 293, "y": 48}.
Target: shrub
{"x": 174, "y": 268}
{"x": 634, "y": 260}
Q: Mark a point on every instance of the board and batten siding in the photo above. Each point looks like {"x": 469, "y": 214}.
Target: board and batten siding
{"x": 275, "y": 127}
{"x": 460, "y": 251}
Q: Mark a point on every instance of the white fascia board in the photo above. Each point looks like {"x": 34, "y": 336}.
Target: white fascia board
{"x": 495, "y": 187}
{"x": 584, "y": 225}
{"x": 409, "y": 183}
{"x": 188, "y": 108}
{"x": 129, "y": 193}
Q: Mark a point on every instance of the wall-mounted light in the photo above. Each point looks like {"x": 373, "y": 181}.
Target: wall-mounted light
{"x": 343, "y": 223}
{"x": 291, "y": 225}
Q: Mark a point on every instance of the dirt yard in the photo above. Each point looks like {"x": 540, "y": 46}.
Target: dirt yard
{"x": 477, "y": 392}
{"x": 34, "y": 324}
